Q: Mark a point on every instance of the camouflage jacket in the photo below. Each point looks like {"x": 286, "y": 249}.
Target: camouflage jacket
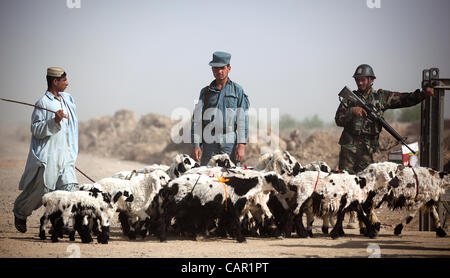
{"x": 363, "y": 130}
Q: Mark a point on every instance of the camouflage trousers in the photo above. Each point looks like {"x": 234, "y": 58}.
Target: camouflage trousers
{"x": 355, "y": 158}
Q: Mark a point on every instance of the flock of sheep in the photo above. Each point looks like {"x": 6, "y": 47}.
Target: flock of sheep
{"x": 221, "y": 199}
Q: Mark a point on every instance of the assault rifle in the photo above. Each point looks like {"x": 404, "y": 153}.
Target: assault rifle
{"x": 347, "y": 94}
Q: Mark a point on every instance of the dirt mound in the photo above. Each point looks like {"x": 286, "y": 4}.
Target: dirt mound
{"x": 125, "y": 136}
{"x": 321, "y": 145}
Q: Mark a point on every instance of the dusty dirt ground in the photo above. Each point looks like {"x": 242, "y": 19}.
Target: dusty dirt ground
{"x": 13, "y": 154}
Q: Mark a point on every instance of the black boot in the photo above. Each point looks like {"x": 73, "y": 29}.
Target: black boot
{"x": 21, "y": 224}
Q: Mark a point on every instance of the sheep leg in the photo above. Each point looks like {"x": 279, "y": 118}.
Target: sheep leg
{"x": 266, "y": 210}
{"x": 332, "y": 220}
{"x": 337, "y": 229}
{"x": 104, "y": 235}
{"x": 77, "y": 226}
{"x": 233, "y": 215}
{"x": 374, "y": 219}
{"x": 138, "y": 229}
{"x": 162, "y": 229}
{"x": 265, "y": 215}
{"x": 162, "y": 222}
{"x": 57, "y": 224}
{"x": 123, "y": 218}
{"x": 43, "y": 221}
{"x": 365, "y": 220}
{"x": 398, "y": 229}
{"x": 67, "y": 215}
{"x": 298, "y": 221}
{"x": 286, "y": 220}
{"x": 72, "y": 230}
{"x": 82, "y": 226}
{"x": 362, "y": 227}
{"x": 367, "y": 206}
{"x": 132, "y": 222}
{"x": 221, "y": 227}
{"x": 236, "y": 227}
{"x": 258, "y": 221}
{"x": 95, "y": 229}
{"x": 248, "y": 225}
{"x": 144, "y": 227}
{"x": 309, "y": 220}
{"x": 288, "y": 223}
{"x": 142, "y": 218}
{"x": 439, "y": 231}
{"x": 326, "y": 223}
{"x": 261, "y": 224}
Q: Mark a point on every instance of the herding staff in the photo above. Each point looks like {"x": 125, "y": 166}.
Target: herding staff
{"x": 42, "y": 108}
{"x": 24, "y": 103}
{"x": 84, "y": 175}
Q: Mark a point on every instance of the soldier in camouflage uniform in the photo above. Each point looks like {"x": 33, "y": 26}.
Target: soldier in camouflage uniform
{"x": 359, "y": 139}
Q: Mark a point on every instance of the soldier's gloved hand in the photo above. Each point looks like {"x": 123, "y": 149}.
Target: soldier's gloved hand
{"x": 359, "y": 111}
{"x": 429, "y": 92}
{"x": 196, "y": 154}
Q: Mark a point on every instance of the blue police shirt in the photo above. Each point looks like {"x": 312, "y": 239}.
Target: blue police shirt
{"x": 232, "y": 103}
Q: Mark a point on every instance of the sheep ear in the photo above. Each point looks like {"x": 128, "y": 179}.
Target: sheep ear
{"x": 297, "y": 169}
{"x": 181, "y": 168}
{"x": 130, "y": 199}
{"x": 106, "y": 197}
{"x": 394, "y": 182}
{"x": 117, "y": 196}
{"x": 362, "y": 182}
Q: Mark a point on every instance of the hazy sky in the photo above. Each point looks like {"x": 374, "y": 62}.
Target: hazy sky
{"x": 152, "y": 56}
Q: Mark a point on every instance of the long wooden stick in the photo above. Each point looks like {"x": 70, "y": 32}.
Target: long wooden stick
{"x": 84, "y": 175}
{"x": 36, "y": 106}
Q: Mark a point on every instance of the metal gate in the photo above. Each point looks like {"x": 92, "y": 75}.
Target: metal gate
{"x": 432, "y": 138}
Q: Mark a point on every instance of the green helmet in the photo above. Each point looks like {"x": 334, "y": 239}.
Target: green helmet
{"x": 364, "y": 70}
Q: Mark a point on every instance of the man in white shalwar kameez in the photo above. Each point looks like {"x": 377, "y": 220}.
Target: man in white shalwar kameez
{"x": 53, "y": 149}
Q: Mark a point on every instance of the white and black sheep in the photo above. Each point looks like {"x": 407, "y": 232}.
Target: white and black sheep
{"x": 417, "y": 188}
{"x": 377, "y": 176}
{"x": 317, "y": 166}
{"x": 61, "y": 207}
{"x": 143, "y": 190}
{"x": 221, "y": 160}
{"x": 327, "y": 194}
{"x": 180, "y": 164}
{"x": 279, "y": 161}
{"x": 197, "y": 200}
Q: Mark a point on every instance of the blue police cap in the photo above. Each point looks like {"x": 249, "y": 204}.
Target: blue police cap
{"x": 220, "y": 59}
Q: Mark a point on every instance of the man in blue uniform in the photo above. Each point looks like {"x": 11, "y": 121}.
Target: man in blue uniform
{"x": 220, "y": 121}
{"x": 53, "y": 150}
